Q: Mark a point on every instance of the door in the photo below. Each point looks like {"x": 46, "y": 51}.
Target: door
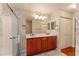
{"x": 10, "y": 32}
{"x": 65, "y": 33}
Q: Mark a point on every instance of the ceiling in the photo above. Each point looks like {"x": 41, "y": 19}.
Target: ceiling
{"x": 44, "y": 7}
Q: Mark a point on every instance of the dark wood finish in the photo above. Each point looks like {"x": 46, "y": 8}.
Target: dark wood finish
{"x": 38, "y": 45}
{"x": 34, "y": 46}
{"x": 52, "y": 42}
{"x": 42, "y": 44}
{"x": 31, "y": 46}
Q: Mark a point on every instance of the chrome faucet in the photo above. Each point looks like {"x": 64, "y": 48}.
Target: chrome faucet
{"x": 31, "y": 34}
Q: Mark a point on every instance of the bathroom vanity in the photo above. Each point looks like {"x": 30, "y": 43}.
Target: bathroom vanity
{"x": 41, "y": 36}
{"x": 40, "y": 44}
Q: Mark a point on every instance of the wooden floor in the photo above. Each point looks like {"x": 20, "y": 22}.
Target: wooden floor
{"x": 70, "y": 51}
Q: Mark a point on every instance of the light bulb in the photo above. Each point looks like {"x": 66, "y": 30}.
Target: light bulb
{"x": 40, "y": 17}
{"x": 35, "y": 16}
{"x": 43, "y": 17}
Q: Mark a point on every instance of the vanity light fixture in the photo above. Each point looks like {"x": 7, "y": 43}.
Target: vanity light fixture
{"x": 43, "y": 17}
{"x": 39, "y": 17}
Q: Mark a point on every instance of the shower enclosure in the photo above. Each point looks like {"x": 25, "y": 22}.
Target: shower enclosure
{"x": 18, "y": 39}
{"x": 9, "y": 32}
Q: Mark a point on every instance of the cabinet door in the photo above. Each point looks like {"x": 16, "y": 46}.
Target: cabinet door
{"x": 37, "y": 45}
{"x": 44, "y": 44}
{"x": 33, "y": 46}
{"x": 30, "y": 46}
{"x": 52, "y": 42}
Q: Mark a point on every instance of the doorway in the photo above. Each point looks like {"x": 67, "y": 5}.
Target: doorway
{"x": 66, "y": 36}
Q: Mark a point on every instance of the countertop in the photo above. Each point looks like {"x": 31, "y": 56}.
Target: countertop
{"x": 40, "y": 35}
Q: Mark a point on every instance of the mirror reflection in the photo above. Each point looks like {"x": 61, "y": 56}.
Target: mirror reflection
{"x": 39, "y": 24}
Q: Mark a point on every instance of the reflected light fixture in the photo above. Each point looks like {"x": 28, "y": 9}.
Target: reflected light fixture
{"x": 43, "y": 17}
{"x": 39, "y": 17}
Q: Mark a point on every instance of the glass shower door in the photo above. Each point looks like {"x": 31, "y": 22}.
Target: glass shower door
{"x": 15, "y": 35}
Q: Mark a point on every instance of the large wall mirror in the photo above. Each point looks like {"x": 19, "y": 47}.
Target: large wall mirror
{"x": 39, "y": 26}
{"x": 36, "y": 26}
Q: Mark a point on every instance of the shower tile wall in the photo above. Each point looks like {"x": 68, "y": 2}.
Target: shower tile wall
{"x": 77, "y": 36}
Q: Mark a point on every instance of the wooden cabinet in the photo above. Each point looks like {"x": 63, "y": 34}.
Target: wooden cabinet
{"x": 52, "y": 42}
{"x": 41, "y": 44}
{"x": 38, "y": 45}
{"x": 44, "y": 44}
{"x": 33, "y": 46}
{"x": 30, "y": 46}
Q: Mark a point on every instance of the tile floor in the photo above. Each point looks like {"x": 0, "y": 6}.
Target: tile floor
{"x": 51, "y": 53}
{"x": 48, "y": 53}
